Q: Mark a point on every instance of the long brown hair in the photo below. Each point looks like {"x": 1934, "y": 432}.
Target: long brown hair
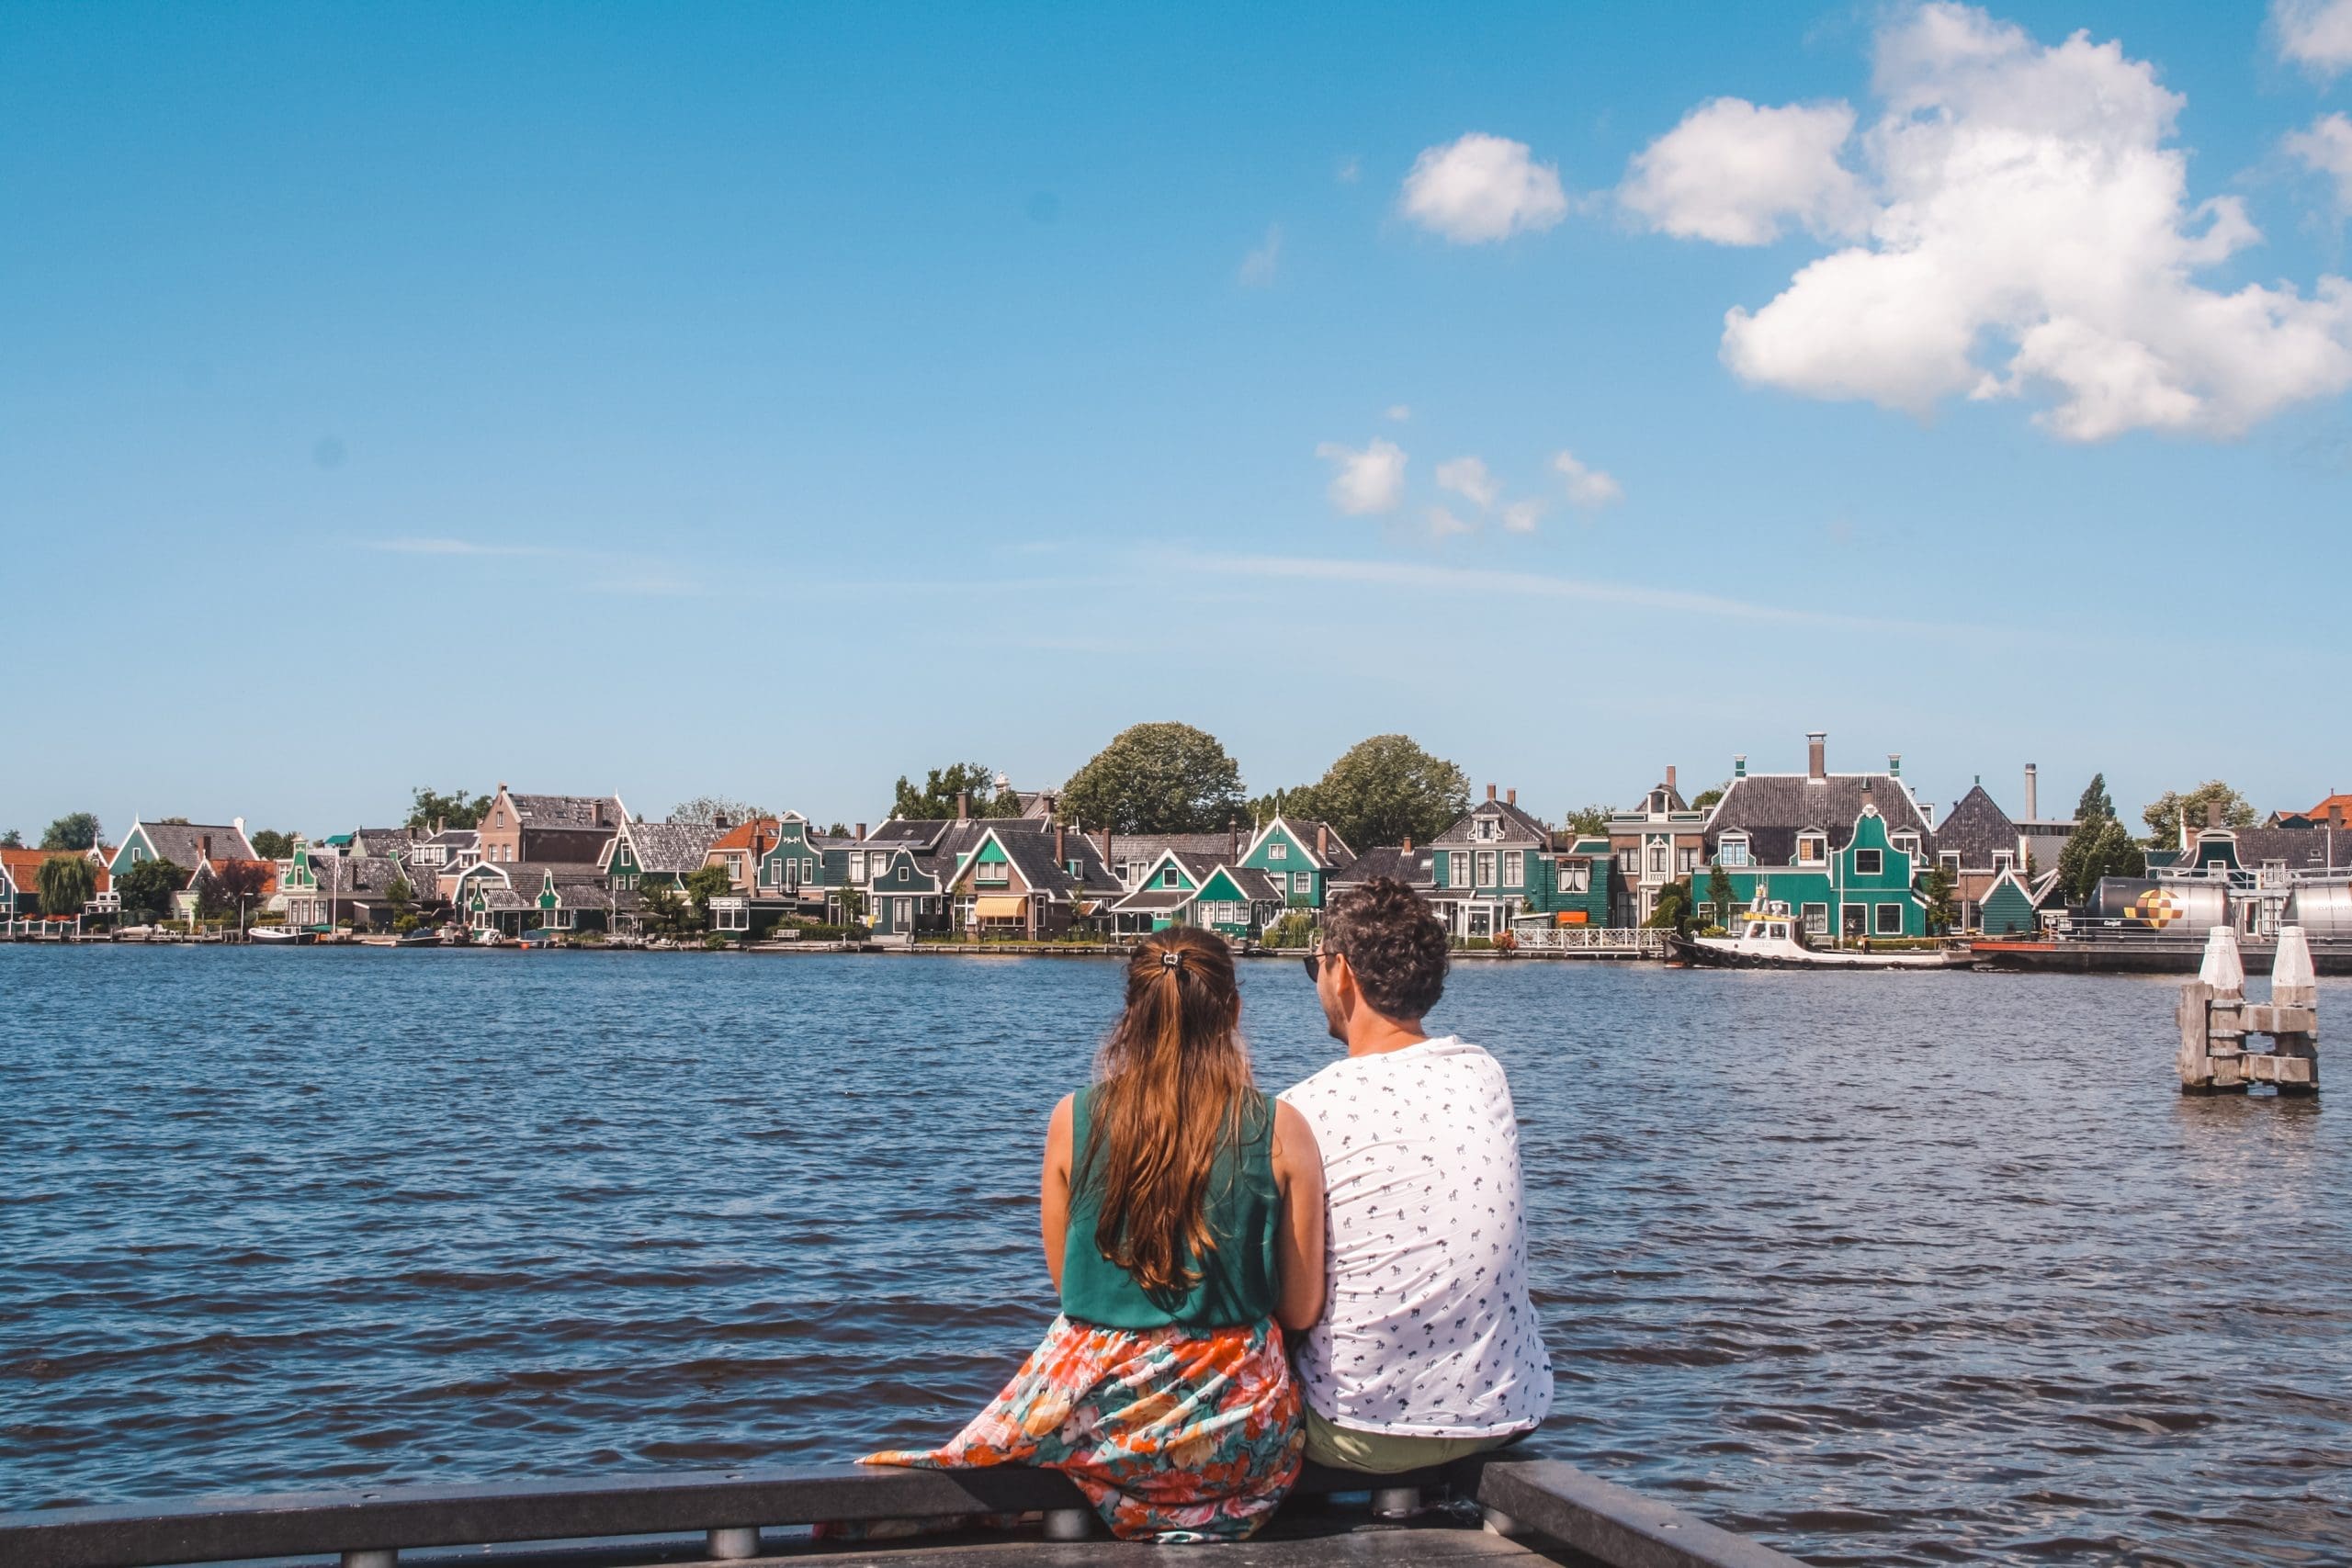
{"x": 1172, "y": 1090}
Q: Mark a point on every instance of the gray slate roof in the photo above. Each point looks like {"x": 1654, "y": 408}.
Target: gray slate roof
{"x": 1515, "y": 827}
{"x": 566, "y": 811}
{"x": 1414, "y": 870}
{"x": 1975, "y": 827}
{"x": 673, "y": 847}
{"x": 1774, "y": 807}
{"x": 1336, "y": 855}
{"x": 2303, "y": 848}
{"x": 180, "y": 842}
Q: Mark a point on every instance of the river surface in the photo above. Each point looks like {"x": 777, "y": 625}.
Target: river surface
{"x": 1885, "y": 1269}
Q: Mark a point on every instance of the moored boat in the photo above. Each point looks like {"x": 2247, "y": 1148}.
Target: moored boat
{"x": 281, "y": 936}
{"x": 419, "y": 939}
{"x": 1773, "y": 938}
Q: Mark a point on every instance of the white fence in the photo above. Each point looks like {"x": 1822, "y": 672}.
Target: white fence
{"x": 1590, "y": 939}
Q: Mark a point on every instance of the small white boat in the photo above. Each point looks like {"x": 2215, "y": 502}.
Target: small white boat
{"x": 489, "y": 936}
{"x": 281, "y": 936}
{"x": 1774, "y": 939}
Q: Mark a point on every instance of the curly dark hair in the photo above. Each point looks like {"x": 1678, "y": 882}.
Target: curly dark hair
{"x": 1394, "y": 945}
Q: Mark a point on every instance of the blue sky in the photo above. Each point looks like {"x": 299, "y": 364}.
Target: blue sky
{"x": 772, "y": 400}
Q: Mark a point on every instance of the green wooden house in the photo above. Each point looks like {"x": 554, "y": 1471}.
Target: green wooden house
{"x": 1183, "y": 888}
{"x": 1299, "y": 856}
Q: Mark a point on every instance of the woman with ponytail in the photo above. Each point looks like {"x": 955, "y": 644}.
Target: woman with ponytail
{"x": 1183, "y": 1228}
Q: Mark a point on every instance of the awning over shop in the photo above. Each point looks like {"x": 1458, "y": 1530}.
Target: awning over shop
{"x": 1001, "y": 906}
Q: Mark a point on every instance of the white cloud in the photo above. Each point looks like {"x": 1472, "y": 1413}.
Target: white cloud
{"x": 1482, "y": 188}
{"x": 1467, "y": 477}
{"x": 1588, "y": 487}
{"x": 2314, "y": 33}
{"x": 1521, "y": 516}
{"x": 1259, "y": 266}
{"x": 2326, "y": 148}
{"x": 1445, "y": 524}
{"x": 1737, "y": 173}
{"x": 2031, "y": 234}
{"x": 1367, "y": 481}
{"x": 1351, "y": 169}
{"x": 1400, "y": 412}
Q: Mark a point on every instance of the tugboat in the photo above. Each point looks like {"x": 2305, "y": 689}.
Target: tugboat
{"x": 1773, "y": 938}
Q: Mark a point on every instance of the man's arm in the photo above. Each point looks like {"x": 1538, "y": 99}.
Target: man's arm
{"x": 1298, "y": 1176}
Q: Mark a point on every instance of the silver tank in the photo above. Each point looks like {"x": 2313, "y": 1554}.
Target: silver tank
{"x": 2322, "y": 908}
{"x": 2142, "y": 903}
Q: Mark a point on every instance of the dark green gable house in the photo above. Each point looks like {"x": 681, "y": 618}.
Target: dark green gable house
{"x": 1187, "y": 888}
{"x": 2007, "y": 908}
{"x": 657, "y": 854}
{"x": 1299, "y": 856}
{"x": 186, "y": 844}
{"x": 1843, "y": 851}
{"x": 514, "y": 896}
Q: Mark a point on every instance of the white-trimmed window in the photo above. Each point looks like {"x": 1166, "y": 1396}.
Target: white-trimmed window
{"x": 1484, "y": 829}
{"x": 1890, "y": 920}
{"x": 1629, "y": 861}
{"x": 1906, "y": 844}
{"x": 2004, "y": 860}
{"x": 1576, "y": 875}
{"x": 1690, "y": 857}
{"x": 1278, "y": 850}
{"x": 1870, "y": 862}
{"x": 1816, "y": 920}
{"x": 1658, "y": 858}
{"x": 1514, "y": 868}
{"x": 1812, "y": 849}
{"x": 730, "y": 914}
{"x": 1485, "y": 872}
{"x": 1303, "y": 884}
{"x": 1457, "y": 872}
{"x": 1168, "y": 878}
{"x": 992, "y": 873}
{"x": 1950, "y": 859}
{"x": 1732, "y": 849}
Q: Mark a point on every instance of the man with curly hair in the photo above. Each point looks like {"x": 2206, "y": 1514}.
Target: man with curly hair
{"x": 1428, "y": 1348}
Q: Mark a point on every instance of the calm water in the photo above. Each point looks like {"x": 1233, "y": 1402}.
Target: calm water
{"x": 1884, "y": 1269}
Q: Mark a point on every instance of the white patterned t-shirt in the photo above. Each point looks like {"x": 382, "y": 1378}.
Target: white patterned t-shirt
{"x": 1427, "y": 1329}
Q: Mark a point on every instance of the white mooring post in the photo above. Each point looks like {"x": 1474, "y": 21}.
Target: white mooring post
{"x": 2216, "y": 1021}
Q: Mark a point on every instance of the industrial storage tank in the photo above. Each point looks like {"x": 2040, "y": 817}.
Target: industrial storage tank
{"x": 2322, "y": 908}
{"x": 2142, "y": 903}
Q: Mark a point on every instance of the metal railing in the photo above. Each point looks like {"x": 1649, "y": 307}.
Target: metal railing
{"x": 369, "y": 1528}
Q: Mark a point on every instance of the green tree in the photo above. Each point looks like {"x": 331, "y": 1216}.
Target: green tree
{"x": 2097, "y": 804}
{"x": 1706, "y": 797}
{"x": 428, "y": 806}
{"x": 1380, "y": 792}
{"x": 1939, "y": 885}
{"x": 2170, "y": 809}
{"x": 1722, "y": 894}
{"x": 1673, "y": 911}
{"x": 1588, "y": 821}
{"x": 662, "y": 908}
{"x": 68, "y": 882}
{"x": 12, "y": 839}
{"x": 852, "y": 903}
{"x": 2103, "y": 849}
{"x": 708, "y": 808}
{"x": 230, "y": 887}
{"x": 936, "y": 800}
{"x": 76, "y": 830}
{"x": 271, "y": 844}
{"x": 400, "y": 893}
{"x": 703, "y": 885}
{"x": 146, "y": 890}
{"x": 1156, "y": 778}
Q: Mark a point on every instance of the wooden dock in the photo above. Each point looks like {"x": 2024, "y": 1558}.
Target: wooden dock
{"x": 1494, "y": 1509}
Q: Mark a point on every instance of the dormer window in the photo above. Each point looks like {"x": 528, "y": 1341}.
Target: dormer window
{"x": 1908, "y": 844}
{"x": 2003, "y": 860}
{"x": 1812, "y": 849}
{"x": 1168, "y": 877}
{"x": 1732, "y": 849}
{"x": 1485, "y": 831}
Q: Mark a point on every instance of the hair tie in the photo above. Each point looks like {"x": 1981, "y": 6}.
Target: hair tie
{"x": 1172, "y": 960}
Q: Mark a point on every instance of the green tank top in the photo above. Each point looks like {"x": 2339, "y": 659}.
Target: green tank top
{"x": 1243, "y": 1208}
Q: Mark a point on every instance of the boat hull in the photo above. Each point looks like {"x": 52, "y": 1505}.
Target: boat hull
{"x": 1712, "y": 953}
{"x": 2145, "y": 956}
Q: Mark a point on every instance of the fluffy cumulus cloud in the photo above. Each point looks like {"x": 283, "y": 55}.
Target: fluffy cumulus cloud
{"x": 2029, "y": 234}
{"x": 2326, "y": 148}
{"x": 1738, "y": 173}
{"x": 1588, "y": 487}
{"x": 1482, "y": 188}
{"x": 2315, "y": 34}
{"x": 1521, "y": 516}
{"x": 1445, "y": 524}
{"x": 1468, "y": 478}
{"x": 1367, "y": 480}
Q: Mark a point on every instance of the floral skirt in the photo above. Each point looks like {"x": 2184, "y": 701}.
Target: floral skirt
{"x": 1174, "y": 1434}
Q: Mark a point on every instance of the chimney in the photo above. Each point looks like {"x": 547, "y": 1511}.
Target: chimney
{"x": 861, "y": 832}
{"x": 1895, "y": 764}
{"x": 2032, "y": 793}
{"x": 963, "y": 805}
{"x": 1233, "y": 838}
{"x": 1408, "y": 843}
{"x": 2213, "y": 814}
{"x": 1739, "y": 766}
{"x": 1322, "y": 841}
{"x": 1061, "y": 846}
{"x": 203, "y": 847}
{"x": 718, "y": 821}
{"x": 1490, "y": 792}
{"x": 1107, "y": 833}
{"x": 1670, "y": 778}
{"x": 1816, "y": 754}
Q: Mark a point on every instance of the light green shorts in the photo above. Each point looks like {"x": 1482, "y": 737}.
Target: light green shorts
{"x": 1386, "y": 1453}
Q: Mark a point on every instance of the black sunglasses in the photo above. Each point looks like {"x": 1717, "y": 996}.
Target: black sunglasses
{"x": 1314, "y": 960}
